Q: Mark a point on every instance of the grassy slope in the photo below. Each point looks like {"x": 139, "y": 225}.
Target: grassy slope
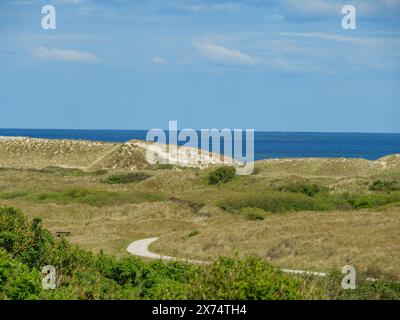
{"x": 183, "y": 210}
{"x": 172, "y": 204}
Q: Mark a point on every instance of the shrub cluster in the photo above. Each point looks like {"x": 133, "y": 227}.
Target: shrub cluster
{"x": 384, "y": 185}
{"x": 221, "y": 175}
{"x": 124, "y": 178}
{"x": 273, "y": 201}
{"x": 26, "y": 247}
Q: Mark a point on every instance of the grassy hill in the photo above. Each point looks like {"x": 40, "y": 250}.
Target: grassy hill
{"x": 315, "y": 214}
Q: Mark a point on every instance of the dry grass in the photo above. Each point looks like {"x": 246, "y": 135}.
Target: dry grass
{"x": 190, "y": 225}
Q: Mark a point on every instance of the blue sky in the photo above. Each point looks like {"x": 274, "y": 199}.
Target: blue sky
{"x": 269, "y": 65}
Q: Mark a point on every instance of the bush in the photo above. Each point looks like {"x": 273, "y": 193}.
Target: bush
{"x": 254, "y": 213}
{"x": 97, "y": 198}
{"x": 384, "y": 185}
{"x": 25, "y": 247}
{"x": 309, "y": 189}
{"x": 273, "y": 202}
{"x": 193, "y": 233}
{"x": 17, "y": 282}
{"x": 124, "y": 178}
{"x": 373, "y": 200}
{"x": 246, "y": 279}
{"x": 221, "y": 175}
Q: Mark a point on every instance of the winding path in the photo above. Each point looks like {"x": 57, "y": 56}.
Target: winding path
{"x": 141, "y": 248}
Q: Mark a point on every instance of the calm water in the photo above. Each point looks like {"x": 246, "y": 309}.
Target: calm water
{"x": 267, "y": 144}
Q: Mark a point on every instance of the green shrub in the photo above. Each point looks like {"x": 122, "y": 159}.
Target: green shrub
{"x": 221, "y": 175}
{"x": 97, "y": 198}
{"x": 124, "y": 178}
{"x": 12, "y": 195}
{"x": 25, "y": 247}
{"x": 365, "y": 290}
{"x": 273, "y": 202}
{"x": 17, "y": 282}
{"x": 254, "y": 213}
{"x": 309, "y": 189}
{"x": 384, "y": 185}
{"x": 246, "y": 279}
{"x": 193, "y": 233}
{"x": 373, "y": 200}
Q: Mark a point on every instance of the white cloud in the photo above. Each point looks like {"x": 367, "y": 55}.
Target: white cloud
{"x": 224, "y": 55}
{"x": 319, "y": 36}
{"x": 63, "y": 54}
{"x": 159, "y": 60}
{"x": 210, "y": 7}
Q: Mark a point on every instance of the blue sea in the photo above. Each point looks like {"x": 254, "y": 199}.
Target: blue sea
{"x": 267, "y": 144}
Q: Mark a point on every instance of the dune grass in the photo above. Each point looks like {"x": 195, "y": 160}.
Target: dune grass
{"x": 294, "y": 220}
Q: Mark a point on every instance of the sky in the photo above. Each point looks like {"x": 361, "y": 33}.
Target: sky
{"x": 248, "y": 64}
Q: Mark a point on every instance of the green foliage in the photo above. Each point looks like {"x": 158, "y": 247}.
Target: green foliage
{"x": 273, "y": 202}
{"x": 97, "y": 198}
{"x": 384, "y": 185}
{"x": 12, "y": 195}
{"x": 221, "y": 175}
{"x": 373, "y": 200}
{"x": 124, "y": 178}
{"x": 248, "y": 278}
{"x": 61, "y": 171}
{"x": 193, "y": 233}
{"x": 26, "y": 247}
{"x": 309, "y": 189}
{"x": 365, "y": 290}
{"x": 17, "y": 282}
{"x": 162, "y": 166}
{"x": 254, "y": 213}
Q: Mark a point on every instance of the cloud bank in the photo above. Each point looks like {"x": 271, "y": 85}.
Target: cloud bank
{"x": 63, "y": 54}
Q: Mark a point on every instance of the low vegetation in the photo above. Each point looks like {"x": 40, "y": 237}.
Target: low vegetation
{"x": 124, "y": 178}
{"x": 384, "y": 185}
{"x": 305, "y": 187}
{"x": 221, "y": 175}
{"x": 25, "y": 247}
{"x": 273, "y": 201}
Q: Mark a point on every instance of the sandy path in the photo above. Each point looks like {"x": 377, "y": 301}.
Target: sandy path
{"x": 141, "y": 248}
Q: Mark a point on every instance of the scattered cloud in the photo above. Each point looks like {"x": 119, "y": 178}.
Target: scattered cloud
{"x": 224, "y": 55}
{"x": 210, "y": 7}
{"x": 159, "y": 60}
{"x": 63, "y": 54}
{"x": 319, "y": 36}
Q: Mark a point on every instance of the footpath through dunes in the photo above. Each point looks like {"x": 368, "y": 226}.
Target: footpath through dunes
{"x": 33, "y": 153}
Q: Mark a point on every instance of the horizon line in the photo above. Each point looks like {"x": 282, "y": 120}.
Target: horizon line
{"x": 259, "y": 131}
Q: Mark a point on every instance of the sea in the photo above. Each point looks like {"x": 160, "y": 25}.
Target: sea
{"x": 267, "y": 145}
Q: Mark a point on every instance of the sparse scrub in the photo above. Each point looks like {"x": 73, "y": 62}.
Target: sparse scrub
{"x": 373, "y": 200}
{"x": 221, "y": 175}
{"x": 254, "y": 213}
{"x": 162, "y": 166}
{"x": 384, "y": 185}
{"x": 193, "y": 233}
{"x": 26, "y": 246}
{"x": 97, "y": 198}
{"x": 12, "y": 194}
{"x": 124, "y": 178}
{"x": 274, "y": 202}
{"x": 307, "y": 188}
